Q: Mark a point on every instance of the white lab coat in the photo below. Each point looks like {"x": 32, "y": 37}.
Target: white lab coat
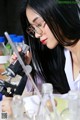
{"x": 74, "y": 84}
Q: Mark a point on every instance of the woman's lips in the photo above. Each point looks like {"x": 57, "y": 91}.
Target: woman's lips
{"x": 43, "y": 41}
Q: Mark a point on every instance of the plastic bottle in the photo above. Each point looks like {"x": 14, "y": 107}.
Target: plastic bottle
{"x": 20, "y": 45}
{"x": 4, "y": 52}
{"x": 73, "y": 110}
{"x": 47, "y": 110}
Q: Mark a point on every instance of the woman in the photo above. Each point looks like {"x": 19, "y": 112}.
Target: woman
{"x": 49, "y": 24}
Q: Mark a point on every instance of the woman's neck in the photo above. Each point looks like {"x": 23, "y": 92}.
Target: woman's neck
{"x": 75, "y": 51}
{"x": 75, "y": 55}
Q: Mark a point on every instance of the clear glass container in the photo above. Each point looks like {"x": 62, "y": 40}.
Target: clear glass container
{"x": 17, "y": 107}
{"x": 47, "y": 110}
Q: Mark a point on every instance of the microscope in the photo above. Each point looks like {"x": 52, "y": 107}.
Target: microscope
{"x": 18, "y": 67}
{"x": 6, "y": 87}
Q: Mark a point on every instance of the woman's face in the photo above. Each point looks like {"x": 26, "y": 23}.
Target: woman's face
{"x": 42, "y": 30}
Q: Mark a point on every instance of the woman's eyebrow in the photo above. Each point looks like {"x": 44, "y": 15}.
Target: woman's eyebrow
{"x": 35, "y": 19}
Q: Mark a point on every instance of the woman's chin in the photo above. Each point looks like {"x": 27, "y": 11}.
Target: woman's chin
{"x": 51, "y": 46}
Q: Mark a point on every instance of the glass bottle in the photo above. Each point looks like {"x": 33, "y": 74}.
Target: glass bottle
{"x": 17, "y": 107}
{"x": 8, "y": 46}
{"x": 71, "y": 113}
{"x": 47, "y": 109}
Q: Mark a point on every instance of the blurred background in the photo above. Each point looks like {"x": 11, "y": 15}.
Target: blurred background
{"x": 10, "y": 17}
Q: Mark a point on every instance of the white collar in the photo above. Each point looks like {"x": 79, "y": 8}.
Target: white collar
{"x": 68, "y": 69}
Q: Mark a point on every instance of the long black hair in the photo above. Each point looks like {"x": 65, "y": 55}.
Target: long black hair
{"x": 63, "y": 20}
{"x": 62, "y": 17}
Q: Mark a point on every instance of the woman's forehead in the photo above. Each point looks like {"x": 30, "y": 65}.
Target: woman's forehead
{"x": 32, "y": 15}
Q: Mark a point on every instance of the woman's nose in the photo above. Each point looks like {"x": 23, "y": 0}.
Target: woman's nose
{"x": 37, "y": 35}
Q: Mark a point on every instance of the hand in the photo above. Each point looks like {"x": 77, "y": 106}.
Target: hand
{"x": 14, "y": 56}
{"x": 28, "y": 57}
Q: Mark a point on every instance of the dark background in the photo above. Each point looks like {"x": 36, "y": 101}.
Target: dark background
{"x": 10, "y": 17}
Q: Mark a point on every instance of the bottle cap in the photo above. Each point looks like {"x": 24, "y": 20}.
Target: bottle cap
{"x": 1, "y": 96}
{"x": 17, "y": 39}
{"x": 21, "y": 36}
{"x": 12, "y": 35}
{"x": 47, "y": 88}
{"x": 2, "y": 39}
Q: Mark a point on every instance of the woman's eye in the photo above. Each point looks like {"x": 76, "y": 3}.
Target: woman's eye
{"x": 39, "y": 25}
